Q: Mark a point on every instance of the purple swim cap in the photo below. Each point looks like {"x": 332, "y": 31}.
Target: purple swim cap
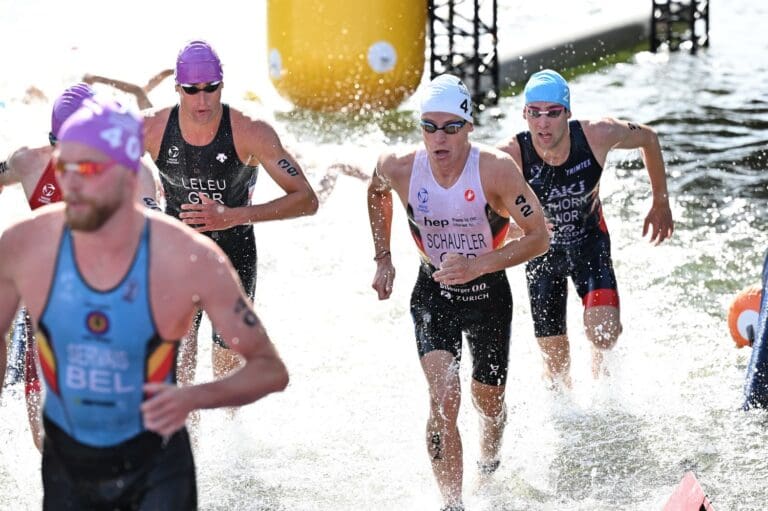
{"x": 198, "y": 63}
{"x": 66, "y": 104}
{"x": 109, "y": 127}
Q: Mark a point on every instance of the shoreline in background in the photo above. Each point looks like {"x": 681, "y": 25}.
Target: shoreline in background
{"x": 607, "y": 40}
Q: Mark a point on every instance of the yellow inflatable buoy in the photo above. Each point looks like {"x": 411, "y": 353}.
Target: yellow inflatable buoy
{"x": 328, "y": 55}
{"x": 743, "y": 314}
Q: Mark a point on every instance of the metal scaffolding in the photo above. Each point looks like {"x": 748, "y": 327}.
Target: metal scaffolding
{"x": 677, "y": 24}
{"x": 463, "y": 42}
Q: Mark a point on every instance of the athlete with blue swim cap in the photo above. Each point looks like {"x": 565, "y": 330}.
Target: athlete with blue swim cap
{"x": 110, "y": 288}
{"x": 563, "y": 162}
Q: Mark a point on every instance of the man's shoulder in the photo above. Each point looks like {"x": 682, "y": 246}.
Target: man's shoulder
{"x": 397, "y": 160}
{"x": 599, "y": 129}
{"x": 156, "y": 116}
{"x": 249, "y": 123}
{"x": 36, "y": 230}
{"x": 177, "y": 241}
{"x": 494, "y": 157}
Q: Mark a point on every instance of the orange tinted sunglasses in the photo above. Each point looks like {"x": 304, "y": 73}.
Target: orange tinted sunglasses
{"x": 84, "y": 168}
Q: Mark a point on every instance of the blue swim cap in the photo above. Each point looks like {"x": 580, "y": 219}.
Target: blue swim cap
{"x": 549, "y": 86}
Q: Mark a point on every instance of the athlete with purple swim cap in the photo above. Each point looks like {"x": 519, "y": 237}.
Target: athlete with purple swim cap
{"x": 110, "y": 288}
{"x": 33, "y": 168}
{"x": 563, "y": 162}
{"x": 208, "y": 156}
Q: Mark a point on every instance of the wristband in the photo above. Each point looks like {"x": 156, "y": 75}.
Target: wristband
{"x": 381, "y": 255}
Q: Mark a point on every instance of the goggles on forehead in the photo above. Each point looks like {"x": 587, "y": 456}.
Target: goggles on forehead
{"x": 84, "y": 168}
{"x": 552, "y": 112}
{"x": 450, "y": 128}
{"x": 192, "y": 90}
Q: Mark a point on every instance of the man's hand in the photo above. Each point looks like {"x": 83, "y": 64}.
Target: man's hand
{"x": 384, "y": 278}
{"x": 659, "y": 222}
{"x": 209, "y": 215}
{"x": 166, "y": 410}
{"x": 456, "y": 269}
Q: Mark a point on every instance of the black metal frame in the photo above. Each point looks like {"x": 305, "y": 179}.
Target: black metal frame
{"x": 463, "y": 43}
{"x": 676, "y": 22}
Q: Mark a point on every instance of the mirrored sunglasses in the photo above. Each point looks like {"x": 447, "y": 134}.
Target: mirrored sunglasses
{"x": 450, "y": 128}
{"x": 192, "y": 90}
{"x": 552, "y": 113}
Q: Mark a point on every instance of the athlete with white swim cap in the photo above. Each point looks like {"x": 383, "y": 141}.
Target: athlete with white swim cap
{"x": 563, "y": 162}
{"x": 459, "y": 197}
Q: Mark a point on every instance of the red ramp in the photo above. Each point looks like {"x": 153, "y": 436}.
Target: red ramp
{"x": 688, "y": 496}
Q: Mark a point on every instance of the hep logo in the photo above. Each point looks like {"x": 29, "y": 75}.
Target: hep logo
{"x": 442, "y": 223}
{"x": 469, "y": 195}
{"x": 423, "y": 196}
{"x": 173, "y": 152}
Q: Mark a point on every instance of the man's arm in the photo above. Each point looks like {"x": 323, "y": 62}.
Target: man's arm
{"x": 219, "y": 293}
{"x": 149, "y": 187}
{"x": 9, "y": 297}
{"x": 142, "y": 100}
{"x": 615, "y": 134}
{"x": 12, "y": 169}
{"x": 507, "y": 192}
{"x": 259, "y": 139}
{"x": 380, "y": 218}
{"x": 155, "y": 80}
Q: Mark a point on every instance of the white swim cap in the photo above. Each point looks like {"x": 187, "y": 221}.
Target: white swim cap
{"x": 446, "y": 93}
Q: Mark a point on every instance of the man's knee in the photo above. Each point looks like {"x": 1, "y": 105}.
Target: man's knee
{"x": 602, "y": 326}
{"x": 605, "y": 334}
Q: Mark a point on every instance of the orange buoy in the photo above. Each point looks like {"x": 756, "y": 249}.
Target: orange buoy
{"x": 743, "y": 314}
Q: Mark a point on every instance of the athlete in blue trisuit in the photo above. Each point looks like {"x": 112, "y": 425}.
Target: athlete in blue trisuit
{"x": 563, "y": 161}
{"x": 208, "y": 156}
{"x": 32, "y": 168}
{"x": 459, "y": 197}
{"x": 756, "y": 388}
{"x": 111, "y": 287}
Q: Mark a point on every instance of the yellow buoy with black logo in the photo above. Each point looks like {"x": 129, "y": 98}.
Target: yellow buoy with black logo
{"x": 330, "y": 55}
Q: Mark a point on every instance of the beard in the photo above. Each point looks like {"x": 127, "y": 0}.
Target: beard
{"x": 90, "y": 218}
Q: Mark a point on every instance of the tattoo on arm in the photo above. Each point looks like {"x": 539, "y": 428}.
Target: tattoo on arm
{"x": 633, "y": 126}
{"x": 288, "y": 167}
{"x": 525, "y": 209}
{"x": 249, "y": 317}
{"x": 151, "y": 203}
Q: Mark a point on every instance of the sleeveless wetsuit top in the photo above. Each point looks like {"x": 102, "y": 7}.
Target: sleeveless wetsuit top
{"x": 97, "y": 349}
{"x": 452, "y": 220}
{"x": 215, "y": 169}
{"x": 47, "y": 190}
{"x": 568, "y": 192}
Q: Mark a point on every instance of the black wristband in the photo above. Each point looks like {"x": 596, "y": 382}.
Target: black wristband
{"x": 381, "y": 255}
{"x": 3, "y": 166}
